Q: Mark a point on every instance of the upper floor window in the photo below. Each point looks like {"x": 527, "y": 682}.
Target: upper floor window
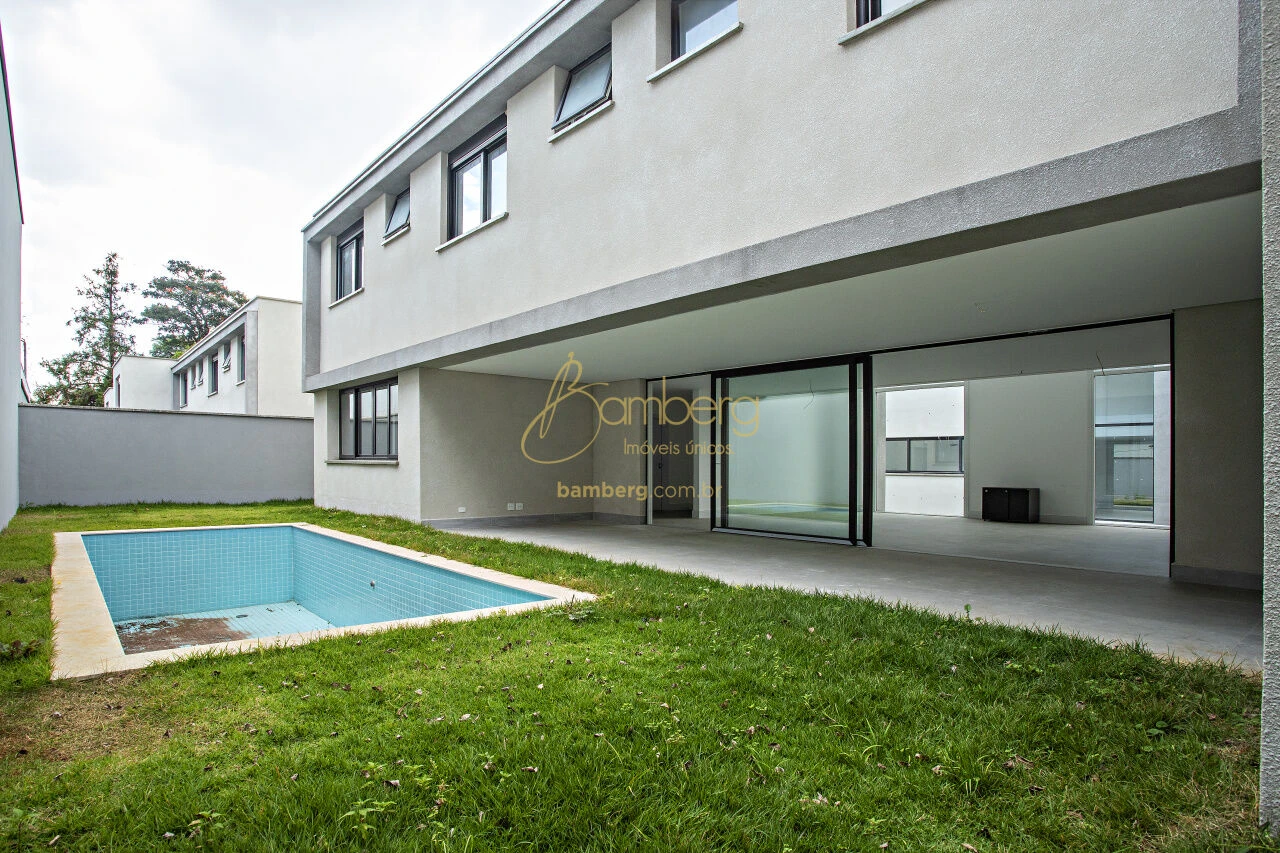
{"x": 350, "y": 264}
{"x": 117, "y": 392}
{"x": 213, "y": 374}
{"x": 478, "y": 179}
{"x": 869, "y": 10}
{"x": 226, "y": 357}
{"x": 240, "y": 359}
{"x": 369, "y": 421}
{"x": 399, "y": 217}
{"x": 182, "y": 392}
{"x": 589, "y": 86}
{"x": 696, "y": 22}
{"x": 199, "y": 373}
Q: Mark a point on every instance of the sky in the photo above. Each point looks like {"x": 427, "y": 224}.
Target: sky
{"x": 212, "y": 130}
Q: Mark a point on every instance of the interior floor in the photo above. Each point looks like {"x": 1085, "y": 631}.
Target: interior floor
{"x": 1131, "y": 549}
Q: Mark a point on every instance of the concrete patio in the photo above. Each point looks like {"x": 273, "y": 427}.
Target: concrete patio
{"x": 1186, "y": 621}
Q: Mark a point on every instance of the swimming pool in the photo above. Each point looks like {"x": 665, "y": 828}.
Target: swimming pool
{"x": 125, "y": 599}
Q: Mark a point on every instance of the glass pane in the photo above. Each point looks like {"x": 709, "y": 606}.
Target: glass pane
{"x": 240, "y": 361}
{"x": 788, "y": 471}
{"x": 399, "y": 214}
{"x": 468, "y": 188}
{"x": 366, "y": 423}
{"x": 380, "y": 397}
{"x": 935, "y": 455}
{"x": 498, "y": 181}
{"x": 393, "y": 444}
{"x": 895, "y": 455}
{"x": 587, "y": 85}
{"x": 1125, "y": 446}
{"x": 346, "y": 268}
{"x": 699, "y": 21}
{"x": 213, "y": 376}
{"x": 347, "y": 423}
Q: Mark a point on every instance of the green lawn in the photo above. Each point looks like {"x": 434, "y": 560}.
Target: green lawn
{"x": 675, "y": 713}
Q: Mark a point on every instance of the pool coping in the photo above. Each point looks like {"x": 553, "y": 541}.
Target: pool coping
{"x": 85, "y": 643}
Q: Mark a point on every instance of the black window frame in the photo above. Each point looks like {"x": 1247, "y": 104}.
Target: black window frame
{"x": 483, "y": 145}
{"x": 388, "y": 232}
{"x": 356, "y": 391}
{"x": 563, "y": 121}
{"x": 909, "y": 439}
{"x": 868, "y": 11}
{"x": 240, "y": 359}
{"x": 353, "y": 236}
{"x": 676, "y": 52}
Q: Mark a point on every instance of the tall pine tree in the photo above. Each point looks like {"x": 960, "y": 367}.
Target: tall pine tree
{"x": 192, "y": 301}
{"x": 101, "y": 323}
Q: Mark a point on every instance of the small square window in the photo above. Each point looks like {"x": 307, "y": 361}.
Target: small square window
{"x": 589, "y": 86}
{"x": 399, "y": 217}
{"x": 696, "y": 22}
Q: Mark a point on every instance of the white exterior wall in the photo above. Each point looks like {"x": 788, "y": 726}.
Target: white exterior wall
{"x": 776, "y": 129}
{"x": 144, "y": 383}
{"x": 231, "y": 397}
{"x": 10, "y": 314}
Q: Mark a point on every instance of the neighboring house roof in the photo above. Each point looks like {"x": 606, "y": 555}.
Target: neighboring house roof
{"x": 214, "y": 338}
{"x": 559, "y": 37}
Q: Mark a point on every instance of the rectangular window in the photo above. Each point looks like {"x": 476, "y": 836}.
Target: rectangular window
{"x": 869, "y": 10}
{"x": 350, "y": 265}
{"x": 696, "y": 22}
{"x": 117, "y": 392}
{"x": 478, "y": 179}
{"x": 226, "y": 356}
{"x": 240, "y": 359}
{"x": 589, "y": 86}
{"x": 191, "y": 375}
{"x": 199, "y": 372}
{"x": 368, "y": 421}
{"x": 924, "y": 455}
{"x": 213, "y": 375}
{"x": 399, "y": 217}
{"x": 182, "y": 389}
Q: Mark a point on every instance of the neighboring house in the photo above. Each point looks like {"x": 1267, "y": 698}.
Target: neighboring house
{"x": 248, "y": 365}
{"x": 13, "y": 361}
{"x": 798, "y": 208}
{"x": 141, "y": 382}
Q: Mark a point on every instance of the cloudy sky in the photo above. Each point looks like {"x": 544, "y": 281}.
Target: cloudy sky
{"x": 211, "y": 130}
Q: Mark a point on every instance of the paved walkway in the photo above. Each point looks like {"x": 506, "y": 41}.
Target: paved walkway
{"x": 1184, "y": 620}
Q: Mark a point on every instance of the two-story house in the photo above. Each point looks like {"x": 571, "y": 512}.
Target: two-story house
{"x": 248, "y": 365}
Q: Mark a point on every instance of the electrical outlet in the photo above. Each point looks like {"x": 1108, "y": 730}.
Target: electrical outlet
{"x": 462, "y": 509}
{"x": 510, "y": 507}
{"x": 519, "y": 507}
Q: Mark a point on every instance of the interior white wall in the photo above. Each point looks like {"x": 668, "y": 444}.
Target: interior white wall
{"x": 1032, "y": 431}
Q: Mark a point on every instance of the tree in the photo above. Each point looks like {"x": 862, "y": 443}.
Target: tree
{"x": 82, "y": 377}
{"x": 192, "y": 301}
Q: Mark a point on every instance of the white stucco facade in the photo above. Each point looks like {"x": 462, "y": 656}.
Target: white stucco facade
{"x": 141, "y": 382}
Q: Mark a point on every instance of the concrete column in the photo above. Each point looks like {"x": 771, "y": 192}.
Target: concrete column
{"x": 1269, "y": 794}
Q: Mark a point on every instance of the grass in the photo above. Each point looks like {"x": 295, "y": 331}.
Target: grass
{"x": 675, "y": 713}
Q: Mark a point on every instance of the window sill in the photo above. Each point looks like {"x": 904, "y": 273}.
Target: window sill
{"x": 352, "y": 295}
{"x": 388, "y": 463}
{"x": 465, "y": 234}
{"x": 580, "y": 120}
{"x": 240, "y": 382}
{"x": 696, "y": 52}
{"x": 924, "y": 473}
{"x": 396, "y": 234}
{"x": 880, "y": 21}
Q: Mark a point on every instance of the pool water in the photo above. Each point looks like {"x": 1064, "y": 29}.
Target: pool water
{"x": 175, "y": 588}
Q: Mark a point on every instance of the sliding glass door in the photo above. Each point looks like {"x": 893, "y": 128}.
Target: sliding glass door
{"x": 793, "y": 464}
